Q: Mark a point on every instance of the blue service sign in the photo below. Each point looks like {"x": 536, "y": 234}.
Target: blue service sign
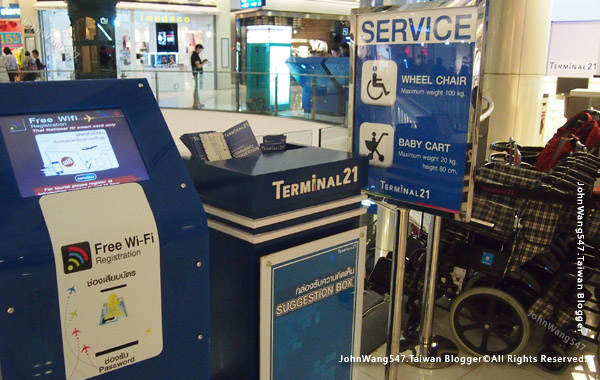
{"x": 413, "y": 115}
{"x": 311, "y": 309}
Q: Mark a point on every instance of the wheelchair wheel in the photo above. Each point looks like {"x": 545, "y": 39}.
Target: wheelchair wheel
{"x": 487, "y": 321}
{"x": 552, "y": 351}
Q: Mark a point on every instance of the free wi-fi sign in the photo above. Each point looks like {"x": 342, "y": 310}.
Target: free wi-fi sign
{"x": 76, "y": 257}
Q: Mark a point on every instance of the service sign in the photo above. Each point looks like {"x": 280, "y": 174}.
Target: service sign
{"x": 311, "y": 309}
{"x": 415, "y": 100}
{"x": 107, "y": 254}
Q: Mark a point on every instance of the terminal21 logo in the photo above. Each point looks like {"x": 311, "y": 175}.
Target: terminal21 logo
{"x": 76, "y": 257}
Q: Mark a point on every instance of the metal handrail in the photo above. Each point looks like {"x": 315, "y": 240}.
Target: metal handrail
{"x": 488, "y": 111}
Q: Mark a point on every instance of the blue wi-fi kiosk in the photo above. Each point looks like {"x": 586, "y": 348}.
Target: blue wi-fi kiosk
{"x": 103, "y": 239}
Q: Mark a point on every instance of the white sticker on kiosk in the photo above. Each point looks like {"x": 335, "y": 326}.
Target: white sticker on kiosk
{"x": 107, "y": 256}
{"x": 76, "y": 152}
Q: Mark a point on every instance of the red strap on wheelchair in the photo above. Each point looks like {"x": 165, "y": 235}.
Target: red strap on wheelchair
{"x": 580, "y": 127}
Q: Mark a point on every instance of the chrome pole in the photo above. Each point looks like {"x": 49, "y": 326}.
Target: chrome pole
{"x": 156, "y": 86}
{"x": 439, "y": 350}
{"x": 313, "y": 108}
{"x": 396, "y": 293}
{"x": 237, "y": 92}
{"x": 276, "y": 107}
{"x": 433, "y": 243}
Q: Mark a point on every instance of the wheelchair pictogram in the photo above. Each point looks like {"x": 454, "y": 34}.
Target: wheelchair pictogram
{"x": 372, "y": 146}
{"x": 376, "y": 82}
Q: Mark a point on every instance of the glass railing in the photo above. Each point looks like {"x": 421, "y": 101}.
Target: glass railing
{"x": 334, "y": 137}
{"x": 297, "y": 137}
{"x": 313, "y": 97}
{"x": 251, "y": 92}
{"x": 310, "y": 97}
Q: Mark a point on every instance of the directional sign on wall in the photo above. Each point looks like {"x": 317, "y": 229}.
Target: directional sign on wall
{"x": 574, "y": 49}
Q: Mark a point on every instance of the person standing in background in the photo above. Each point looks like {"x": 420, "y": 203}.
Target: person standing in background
{"x": 344, "y": 50}
{"x": 11, "y": 64}
{"x": 29, "y": 68}
{"x": 465, "y": 69}
{"x": 335, "y": 51}
{"x": 197, "y": 71}
{"x": 38, "y": 62}
{"x": 3, "y": 72}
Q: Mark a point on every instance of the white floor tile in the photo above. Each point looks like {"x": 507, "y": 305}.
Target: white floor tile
{"x": 363, "y": 376}
{"x": 374, "y": 370}
{"x": 408, "y": 372}
{"x": 586, "y": 371}
{"x": 525, "y": 371}
{"x": 455, "y": 371}
{"x": 501, "y": 372}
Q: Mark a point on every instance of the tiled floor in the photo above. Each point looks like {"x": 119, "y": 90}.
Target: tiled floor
{"x": 495, "y": 371}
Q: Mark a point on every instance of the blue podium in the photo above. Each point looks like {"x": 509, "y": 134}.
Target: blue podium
{"x": 280, "y": 222}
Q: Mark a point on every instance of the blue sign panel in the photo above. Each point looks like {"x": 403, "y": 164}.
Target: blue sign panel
{"x": 310, "y": 321}
{"x": 244, "y": 4}
{"x": 12, "y": 11}
{"x": 10, "y": 39}
{"x": 487, "y": 258}
{"x": 413, "y": 91}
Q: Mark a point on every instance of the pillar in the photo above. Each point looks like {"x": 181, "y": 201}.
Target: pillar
{"x": 30, "y": 24}
{"x": 515, "y": 66}
{"x": 223, "y": 31}
{"x": 93, "y": 23}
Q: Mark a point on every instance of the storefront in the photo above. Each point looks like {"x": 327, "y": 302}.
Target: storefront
{"x": 265, "y": 40}
{"x": 10, "y": 29}
{"x": 312, "y": 34}
{"x": 146, "y": 41}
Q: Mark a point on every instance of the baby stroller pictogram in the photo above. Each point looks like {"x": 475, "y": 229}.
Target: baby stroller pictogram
{"x": 373, "y": 144}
